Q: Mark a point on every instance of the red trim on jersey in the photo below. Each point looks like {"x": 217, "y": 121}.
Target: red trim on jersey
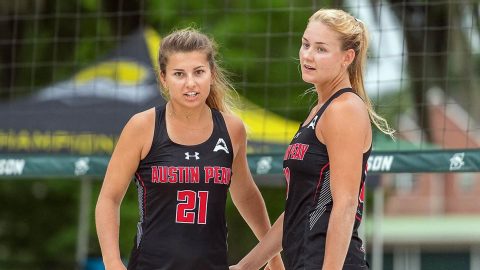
{"x": 362, "y": 189}
{"x": 320, "y": 181}
{"x": 144, "y": 196}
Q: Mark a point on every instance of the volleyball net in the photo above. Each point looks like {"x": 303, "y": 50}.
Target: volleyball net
{"x": 71, "y": 74}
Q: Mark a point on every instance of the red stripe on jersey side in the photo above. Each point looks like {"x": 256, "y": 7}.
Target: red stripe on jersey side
{"x": 320, "y": 181}
{"x": 362, "y": 189}
{"x": 144, "y": 196}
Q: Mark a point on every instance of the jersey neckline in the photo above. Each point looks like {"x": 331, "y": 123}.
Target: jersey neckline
{"x": 189, "y": 145}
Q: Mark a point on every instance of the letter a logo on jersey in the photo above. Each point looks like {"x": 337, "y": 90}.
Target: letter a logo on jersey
{"x": 221, "y": 145}
{"x": 313, "y": 123}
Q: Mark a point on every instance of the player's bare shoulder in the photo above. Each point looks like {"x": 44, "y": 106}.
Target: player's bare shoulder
{"x": 348, "y": 107}
{"x": 139, "y": 130}
{"x": 347, "y": 118}
{"x": 142, "y": 121}
{"x": 236, "y": 129}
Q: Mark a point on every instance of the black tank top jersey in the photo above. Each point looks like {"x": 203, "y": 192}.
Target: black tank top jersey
{"x": 182, "y": 192}
{"x": 309, "y": 201}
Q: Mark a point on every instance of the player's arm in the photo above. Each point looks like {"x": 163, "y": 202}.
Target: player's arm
{"x": 122, "y": 166}
{"x": 345, "y": 127}
{"x": 244, "y": 191}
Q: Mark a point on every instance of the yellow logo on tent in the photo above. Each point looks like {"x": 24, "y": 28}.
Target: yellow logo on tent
{"x": 152, "y": 38}
{"x": 266, "y": 126}
{"x": 123, "y": 72}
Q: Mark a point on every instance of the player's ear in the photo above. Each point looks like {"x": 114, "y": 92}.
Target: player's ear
{"x": 161, "y": 78}
{"x": 348, "y": 57}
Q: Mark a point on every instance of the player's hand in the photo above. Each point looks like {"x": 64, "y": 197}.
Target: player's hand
{"x": 234, "y": 267}
{"x": 116, "y": 266}
{"x": 275, "y": 263}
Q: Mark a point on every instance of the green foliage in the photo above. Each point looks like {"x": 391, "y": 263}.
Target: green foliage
{"x": 38, "y": 223}
{"x": 129, "y": 216}
{"x": 91, "y": 5}
{"x": 240, "y": 237}
{"x": 259, "y": 43}
{"x": 393, "y": 104}
{"x": 66, "y": 36}
{"x": 258, "y": 40}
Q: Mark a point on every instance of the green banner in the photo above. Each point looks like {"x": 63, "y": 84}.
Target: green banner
{"x": 42, "y": 166}
{"x": 435, "y": 161}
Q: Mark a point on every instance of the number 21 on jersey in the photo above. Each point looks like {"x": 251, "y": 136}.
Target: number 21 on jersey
{"x": 188, "y": 200}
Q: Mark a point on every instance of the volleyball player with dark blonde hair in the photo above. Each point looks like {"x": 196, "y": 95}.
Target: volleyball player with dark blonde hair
{"x": 184, "y": 156}
{"x": 325, "y": 165}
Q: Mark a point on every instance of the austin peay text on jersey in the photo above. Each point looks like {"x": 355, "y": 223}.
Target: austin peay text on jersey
{"x": 183, "y": 174}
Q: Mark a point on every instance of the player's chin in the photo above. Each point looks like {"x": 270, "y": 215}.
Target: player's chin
{"x": 308, "y": 78}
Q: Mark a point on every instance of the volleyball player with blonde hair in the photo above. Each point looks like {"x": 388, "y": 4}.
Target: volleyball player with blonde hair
{"x": 184, "y": 156}
{"x": 325, "y": 165}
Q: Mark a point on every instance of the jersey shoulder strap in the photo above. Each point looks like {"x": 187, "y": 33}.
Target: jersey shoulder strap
{"x": 334, "y": 96}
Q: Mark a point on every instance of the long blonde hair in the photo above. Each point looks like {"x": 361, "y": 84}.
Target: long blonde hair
{"x": 354, "y": 35}
{"x": 222, "y": 93}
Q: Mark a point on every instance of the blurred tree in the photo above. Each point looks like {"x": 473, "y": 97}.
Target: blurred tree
{"x": 124, "y": 16}
{"x": 463, "y": 60}
{"x": 437, "y": 50}
{"x": 46, "y": 41}
{"x": 38, "y": 224}
{"x": 259, "y": 42}
{"x": 13, "y": 23}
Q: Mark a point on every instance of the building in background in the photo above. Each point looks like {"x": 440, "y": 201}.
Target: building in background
{"x": 432, "y": 221}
